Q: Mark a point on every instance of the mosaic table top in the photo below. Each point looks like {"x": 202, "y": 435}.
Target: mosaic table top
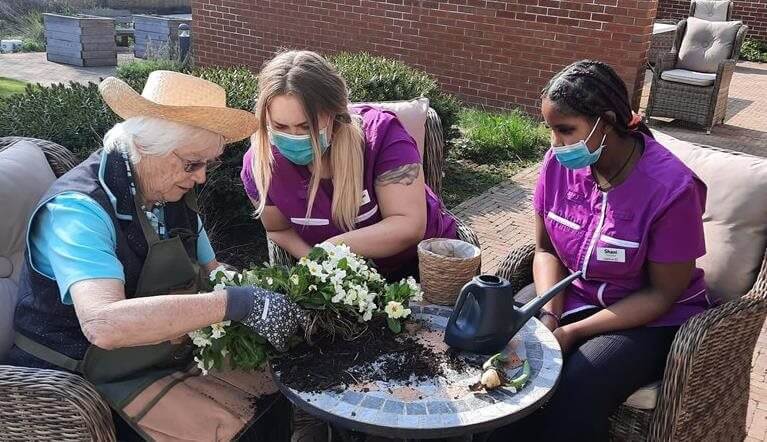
{"x": 443, "y": 406}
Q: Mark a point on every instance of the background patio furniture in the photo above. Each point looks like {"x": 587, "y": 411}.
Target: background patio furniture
{"x": 38, "y": 404}
{"x": 711, "y": 10}
{"x": 705, "y": 387}
{"x": 695, "y": 96}
{"x": 433, "y": 167}
{"x": 663, "y": 33}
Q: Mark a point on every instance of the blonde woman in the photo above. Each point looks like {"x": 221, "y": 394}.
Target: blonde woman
{"x": 330, "y": 172}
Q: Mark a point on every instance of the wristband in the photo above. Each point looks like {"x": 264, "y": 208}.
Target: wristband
{"x": 545, "y": 312}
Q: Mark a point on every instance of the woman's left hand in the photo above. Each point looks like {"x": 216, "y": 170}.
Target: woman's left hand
{"x": 566, "y": 337}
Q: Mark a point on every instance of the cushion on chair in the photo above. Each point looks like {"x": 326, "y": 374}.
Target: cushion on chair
{"x": 735, "y": 220}
{"x": 711, "y": 10}
{"x": 412, "y": 114}
{"x": 24, "y": 177}
{"x": 645, "y": 398}
{"x": 706, "y": 44}
{"x": 688, "y": 77}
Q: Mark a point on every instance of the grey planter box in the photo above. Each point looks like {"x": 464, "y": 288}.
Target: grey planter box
{"x": 156, "y": 35}
{"x": 80, "y": 40}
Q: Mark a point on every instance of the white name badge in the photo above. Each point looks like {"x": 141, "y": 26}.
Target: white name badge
{"x": 365, "y": 197}
{"x": 611, "y": 255}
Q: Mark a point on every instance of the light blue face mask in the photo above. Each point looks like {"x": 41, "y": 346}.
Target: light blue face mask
{"x": 577, "y": 156}
{"x": 297, "y": 148}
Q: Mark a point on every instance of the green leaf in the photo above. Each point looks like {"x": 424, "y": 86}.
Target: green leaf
{"x": 394, "y": 325}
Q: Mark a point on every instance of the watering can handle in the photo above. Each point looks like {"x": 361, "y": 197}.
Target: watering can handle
{"x": 461, "y": 300}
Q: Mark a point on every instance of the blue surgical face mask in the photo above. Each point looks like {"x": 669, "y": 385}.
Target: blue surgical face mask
{"x": 297, "y": 148}
{"x": 577, "y": 156}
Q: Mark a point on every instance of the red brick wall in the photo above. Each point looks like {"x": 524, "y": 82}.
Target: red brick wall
{"x": 751, "y": 12}
{"x": 497, "y": 54}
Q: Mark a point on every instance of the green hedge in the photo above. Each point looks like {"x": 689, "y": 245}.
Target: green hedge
{"x": 754, "y": 50}
{"x": 75, "y": 116}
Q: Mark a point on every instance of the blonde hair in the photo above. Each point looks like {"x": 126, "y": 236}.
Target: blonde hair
{"x": 316, "y": 84}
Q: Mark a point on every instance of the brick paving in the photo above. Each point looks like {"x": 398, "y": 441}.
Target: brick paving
{"x": 503, "y": 219}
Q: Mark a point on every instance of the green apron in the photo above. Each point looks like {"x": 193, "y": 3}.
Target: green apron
{"x": 121, "y": 374}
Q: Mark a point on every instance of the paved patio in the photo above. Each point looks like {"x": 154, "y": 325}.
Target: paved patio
{"x": 503, "y": 216}
{"x": 33, "y": 67}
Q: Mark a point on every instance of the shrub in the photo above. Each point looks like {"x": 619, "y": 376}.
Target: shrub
{"x": 71, "y": 115}
{"x": 76, "y": 117}
{"x": 489, "y": 138}
{"x": 373, "y": 78}
{"x": 754, "y": 50}
{"x": 136, "y": 73}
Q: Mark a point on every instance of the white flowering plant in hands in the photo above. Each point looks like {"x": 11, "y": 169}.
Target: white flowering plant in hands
{"x": 340, "y": 290}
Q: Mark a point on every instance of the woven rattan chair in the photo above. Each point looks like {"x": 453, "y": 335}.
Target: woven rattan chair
{"x": 47, "y": 404}
{"x": 433, "y": 167}
{"x": 702, "y": 105}
{"x": 704, "y": 392}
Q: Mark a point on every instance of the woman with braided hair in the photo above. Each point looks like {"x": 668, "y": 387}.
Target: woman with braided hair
{"x": 615, "y": 204}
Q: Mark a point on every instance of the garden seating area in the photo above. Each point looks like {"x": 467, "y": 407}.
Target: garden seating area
{"x": 701, "y": 101}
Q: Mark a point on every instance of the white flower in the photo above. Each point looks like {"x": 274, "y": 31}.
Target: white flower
{"x": 269, "y": 281}
{"x": 201, "y": 341}
{"x": 340, "y": 294}
{"x": 294, "y": 279}
{"x": 314, "y": 268}
{"x": 329, "y": 267}
{"x": 368, "y": 314}
{"x": 219, "y": 286}
{"x": 223, "y": 273}
{"x": 395, "y": 310}
{"x": 312, "y": 288}
{"x": 338, "y": 277}
{"x": 218, "y": 329}
{"x": 201, "y": 365}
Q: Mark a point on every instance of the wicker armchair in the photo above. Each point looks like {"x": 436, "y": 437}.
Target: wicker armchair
{"x": 702, "y": 105}
{"x": 704, "y": 392}
{"x": 433, "y": 167}
{"x": 47, "y": 404}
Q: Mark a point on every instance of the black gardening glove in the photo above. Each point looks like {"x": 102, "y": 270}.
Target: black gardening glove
{"x": 271, "y": 315}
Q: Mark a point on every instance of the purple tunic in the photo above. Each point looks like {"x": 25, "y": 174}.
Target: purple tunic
{"x": 655, "y": 215}
{"x": 387, "y": 147}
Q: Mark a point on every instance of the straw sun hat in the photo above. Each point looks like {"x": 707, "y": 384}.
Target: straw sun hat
{"x": 180, "y": 98}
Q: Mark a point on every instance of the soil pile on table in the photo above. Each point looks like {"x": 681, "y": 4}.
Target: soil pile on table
{"x": 377, "y": 355}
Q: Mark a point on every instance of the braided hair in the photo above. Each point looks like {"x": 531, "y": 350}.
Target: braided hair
{"x": 592, "y": 88}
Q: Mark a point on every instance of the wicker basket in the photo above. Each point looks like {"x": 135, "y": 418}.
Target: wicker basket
{"x": 446, "y": 265}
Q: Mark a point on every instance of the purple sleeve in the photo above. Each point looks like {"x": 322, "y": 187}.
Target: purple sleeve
{"x": 677, "y": 235}
{"x": 246, "y": 175}
{"x": 396, "y": 149}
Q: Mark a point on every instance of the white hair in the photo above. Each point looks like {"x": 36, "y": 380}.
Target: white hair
{"x": 139, "y": 136}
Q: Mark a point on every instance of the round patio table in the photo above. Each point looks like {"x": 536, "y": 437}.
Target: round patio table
{"x": 443, "y": 406}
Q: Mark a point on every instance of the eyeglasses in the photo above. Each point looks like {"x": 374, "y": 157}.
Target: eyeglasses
{"x": 194, "y": 166}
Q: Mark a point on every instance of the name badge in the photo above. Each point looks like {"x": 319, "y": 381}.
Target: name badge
{"x": 611, "y": 255}
{"x": 365, "y": 197}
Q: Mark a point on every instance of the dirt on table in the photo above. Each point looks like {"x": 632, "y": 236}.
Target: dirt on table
{"x": 377, "y": 355}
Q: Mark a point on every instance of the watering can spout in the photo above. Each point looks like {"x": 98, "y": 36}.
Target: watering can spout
{"x": 533, "y": 306}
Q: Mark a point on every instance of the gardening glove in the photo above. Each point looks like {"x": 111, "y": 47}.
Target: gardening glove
{"x": 271, "y": 315}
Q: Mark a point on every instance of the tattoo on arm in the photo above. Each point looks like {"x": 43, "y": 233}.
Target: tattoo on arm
{"x": 406, "y": 175}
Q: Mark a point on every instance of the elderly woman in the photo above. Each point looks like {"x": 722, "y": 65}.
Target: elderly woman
{"x": 117, "y": 252}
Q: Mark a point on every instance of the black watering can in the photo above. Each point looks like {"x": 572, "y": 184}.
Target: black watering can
{"x": 485, "y": 318}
